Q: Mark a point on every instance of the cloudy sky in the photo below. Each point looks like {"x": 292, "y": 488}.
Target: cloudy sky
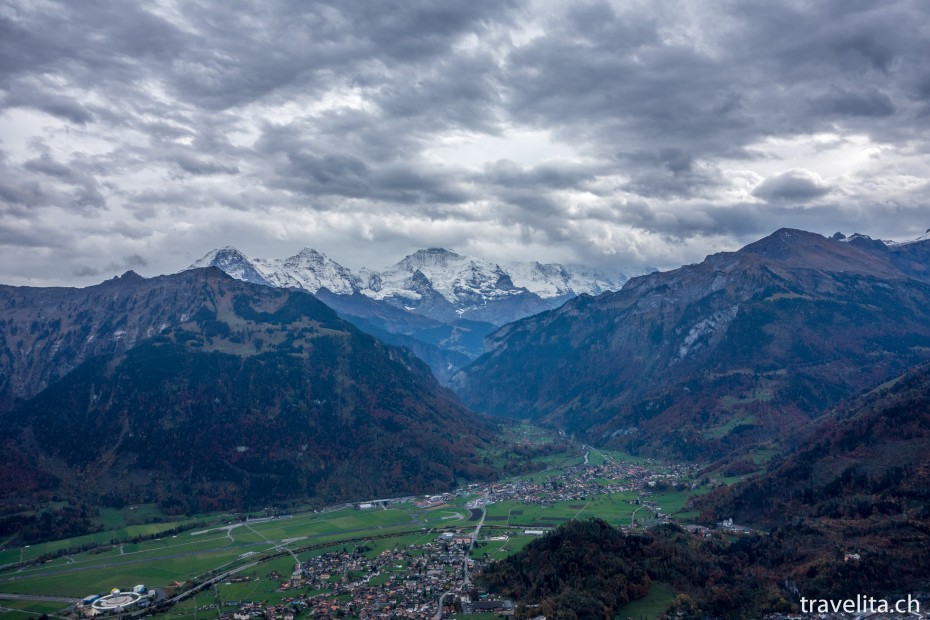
{"x": 140, "y": 135}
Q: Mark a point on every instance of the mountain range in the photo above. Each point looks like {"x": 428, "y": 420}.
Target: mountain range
{"x": 209, "y": 392}
{"x": 437, "y": 283}
{"x": 720, "y": 357}
{"x": 436, "y": 302}
{"x": 799, "y": 359}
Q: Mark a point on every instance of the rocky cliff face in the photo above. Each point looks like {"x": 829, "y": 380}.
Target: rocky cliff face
{"x": 46, "y": 332}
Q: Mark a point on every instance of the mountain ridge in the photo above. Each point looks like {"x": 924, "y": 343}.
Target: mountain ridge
{"x": 465, "y": 282}
{"x": 241, "y": 392}
{"x": 748, "y": 341}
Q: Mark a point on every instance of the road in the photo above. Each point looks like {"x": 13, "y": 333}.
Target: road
{"x": 438, "y": 615}
{"x": 37, "y": 597}
{"x": 474, "y": 536}
{"x": 283, "y": 544}
{"x": 467, "y": 581}
{"x": 606, "y": 458}
{"x": 206, "y": 584}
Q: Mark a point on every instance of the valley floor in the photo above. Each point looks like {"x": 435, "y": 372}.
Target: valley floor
{"x": 365, "y": 560}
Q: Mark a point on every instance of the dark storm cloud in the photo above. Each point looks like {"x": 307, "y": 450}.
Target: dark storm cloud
{"x": 148, "y": 123}
{"x": 83, "y": 271}
{"x": 299, "y": 167}
{"x": 40, "y": 98}
{"x": 202, "y": 167}
{"x": 86, "y": 193}
{"x": 134, "y": 260}
{"x": 528, "y": 195}
{"x": 459, "y": 92}
{"x": 19, "y": 192}
{"x": 93, "y": 44}
{"x": 843, "y": 102}
{"x": 505, "y": 173}
{"x": 46, "y": 165}
{"x": 246, "y": 51}
{"x": 15, "y": 194}
{"x": 611, "y": 78}
{"x": 607, "y": 78}
{"x": 796, "y": 186}
{"x": 20, "y": 233}
{"x": 347, "y": 176}
{"x": 668, "y": 173}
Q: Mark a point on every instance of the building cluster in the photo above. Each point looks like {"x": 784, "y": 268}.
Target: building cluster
{"x": 584, "y": 481}
{"x": 404, "y": 582}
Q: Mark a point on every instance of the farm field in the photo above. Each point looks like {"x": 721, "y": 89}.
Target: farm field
{"x": 614, "y": 508}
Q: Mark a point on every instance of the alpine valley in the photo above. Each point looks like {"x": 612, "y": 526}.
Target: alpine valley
{"x": 570, "y": 444}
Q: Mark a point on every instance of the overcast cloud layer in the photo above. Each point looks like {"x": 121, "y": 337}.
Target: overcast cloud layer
{"x": 140, "y": 135}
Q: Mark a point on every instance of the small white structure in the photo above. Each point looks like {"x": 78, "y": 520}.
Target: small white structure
{"x": 117, "y": 601}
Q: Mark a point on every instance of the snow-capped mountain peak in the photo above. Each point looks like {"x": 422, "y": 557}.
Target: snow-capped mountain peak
{"x": 310, "y": 270}
{"x": 467, "y": 283}
{"x": 429, "y": 260}
{"x": 309, "y": 254}
{"x": 921, "y": 238}
{"x": 226, "y": 255}
{"x": 234, "y": 263}
{"x": 552, "y": 280}
{"x": 435, "y": 282}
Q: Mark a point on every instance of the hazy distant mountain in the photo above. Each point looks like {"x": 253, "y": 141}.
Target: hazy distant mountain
{"x": 445, "y": 347}
{"x": 715, "y": 357}
{"x": 461, "y": 298}
{"x": 217, "y": 392}
{"x": 554, "y": 281}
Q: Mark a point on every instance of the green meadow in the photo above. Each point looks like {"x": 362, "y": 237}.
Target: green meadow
{"x": 651, "y": 606}
{"x": 615, "y": 508}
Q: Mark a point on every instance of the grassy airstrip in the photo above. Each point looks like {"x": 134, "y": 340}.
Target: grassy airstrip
{"x": 190, "y": 554}
{"x": 212, "y": 544}
{"x": 31, "y": 610}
